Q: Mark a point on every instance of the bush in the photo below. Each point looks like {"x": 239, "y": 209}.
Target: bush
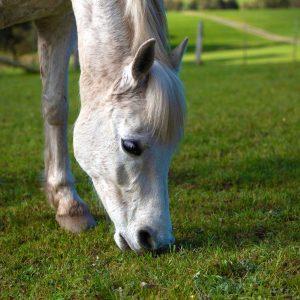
{"x": 18, "y": 39}
{"x": 295, "y": 3}
{"x": 210, "y": 4}
{"x": 252, "y": 4}
{"x": 276, "y": 3}
{"x": 219, "y": 4}
{"x": 230, "y": 4}
{"x": 174, "y": 4}
{"x": 204, "y": 4}
{"x": 268, "y": 3}
{"x": 193, "y": 5}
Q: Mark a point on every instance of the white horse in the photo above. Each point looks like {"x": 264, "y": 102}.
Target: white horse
{"x": 132, "y": 111}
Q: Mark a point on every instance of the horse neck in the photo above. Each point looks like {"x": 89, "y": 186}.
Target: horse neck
{"x": 104, "y": 41}
{"x": 109, "y": 34}
{"x": 148, "y": 20}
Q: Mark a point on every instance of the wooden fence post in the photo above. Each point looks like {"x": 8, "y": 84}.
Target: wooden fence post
{"x": 295, "y": 44}
{"x": 245, "y": 46}
{"x": 199, "y": 45}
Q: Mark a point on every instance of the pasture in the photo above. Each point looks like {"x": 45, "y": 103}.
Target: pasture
{"x": 280, "y": 21}
{"x": 234, "y": 186}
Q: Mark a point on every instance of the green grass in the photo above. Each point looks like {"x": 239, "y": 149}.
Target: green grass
{"x": 280, "y": 21}
{"x": 226, "y": 45}
{"x": 234, "y": 189}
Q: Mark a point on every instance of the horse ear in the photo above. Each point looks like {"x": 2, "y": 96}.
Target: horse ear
{"x": 143, "y": 59}
{"x": 177, "y": 54}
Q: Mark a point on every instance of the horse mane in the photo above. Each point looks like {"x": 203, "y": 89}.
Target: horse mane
{"x": 165, "y": 102}
{"x": 148, "y": 20}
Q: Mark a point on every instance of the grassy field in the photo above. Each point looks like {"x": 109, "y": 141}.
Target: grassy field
{"x": 281, "y": 21}
{"x": 234, "y": 188}
{"x": 227, "y": 46}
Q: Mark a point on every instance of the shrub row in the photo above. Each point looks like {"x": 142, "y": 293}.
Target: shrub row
{"x": 203, "y": 4}
{"x": 228, "y": 4}
{"x": 270, "y": 3}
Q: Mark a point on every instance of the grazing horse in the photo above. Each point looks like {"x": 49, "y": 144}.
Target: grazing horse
{"x": 131, "y": 117}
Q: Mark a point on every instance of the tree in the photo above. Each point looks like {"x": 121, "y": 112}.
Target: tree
{"x": 17, "y": 39}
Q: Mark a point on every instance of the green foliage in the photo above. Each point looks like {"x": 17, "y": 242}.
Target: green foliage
{"x": 203, "y": 4}
{"x": 18, "y": 39}
{"x": 192, "y": 5}
{"x": 266, "y": 3}
{"x": 219, "y": 4}
{"x": 234, "y": 188}
{"x": 174, "y": 4}
{"x": 276, "y": 3}
{"x": 295, "y": 3}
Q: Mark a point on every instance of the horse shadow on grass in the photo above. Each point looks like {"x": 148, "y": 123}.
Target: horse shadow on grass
{"x": 270, "y": 174}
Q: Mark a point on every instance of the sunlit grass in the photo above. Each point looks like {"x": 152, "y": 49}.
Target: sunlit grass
{"x": 234, "y": 189}
{"x": 268, "y": 55}
{"x": 281, "y": 21}
{"x": 229, "y": 46}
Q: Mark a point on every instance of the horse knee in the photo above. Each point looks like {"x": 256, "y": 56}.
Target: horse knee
{"x": 55, "y": 109}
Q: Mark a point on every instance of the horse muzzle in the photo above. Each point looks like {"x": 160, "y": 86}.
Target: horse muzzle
{"x": 143, "y": 239}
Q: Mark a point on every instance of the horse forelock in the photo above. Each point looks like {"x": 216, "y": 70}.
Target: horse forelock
{"x": 165, "y": 104}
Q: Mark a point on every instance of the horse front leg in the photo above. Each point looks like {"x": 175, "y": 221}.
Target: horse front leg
{"x": 54, "y": 43}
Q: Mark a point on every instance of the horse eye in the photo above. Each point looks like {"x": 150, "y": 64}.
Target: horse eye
{"x": 132, "y": 147}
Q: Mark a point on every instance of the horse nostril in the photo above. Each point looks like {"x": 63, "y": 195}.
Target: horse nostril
{"x": 145, "y": 239}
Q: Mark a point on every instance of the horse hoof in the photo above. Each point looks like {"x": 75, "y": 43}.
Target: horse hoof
{"x": 76, "y": 223}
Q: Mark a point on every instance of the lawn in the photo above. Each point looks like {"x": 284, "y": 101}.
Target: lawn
{"x": 226, "y": 45}
{"x": 280, "y": 21}
{"x": 234, "y": 189}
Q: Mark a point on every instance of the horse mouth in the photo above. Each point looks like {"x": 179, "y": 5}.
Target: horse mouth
{"x": 123, "y": 244}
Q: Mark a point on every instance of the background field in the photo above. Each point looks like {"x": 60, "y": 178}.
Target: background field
{"x": 280, "y": 21}
{"x": 234, "y": 186}
{"x": 230, "y": 46}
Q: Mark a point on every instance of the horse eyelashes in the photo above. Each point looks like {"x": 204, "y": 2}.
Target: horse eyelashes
{"x": 132, "y": 147}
